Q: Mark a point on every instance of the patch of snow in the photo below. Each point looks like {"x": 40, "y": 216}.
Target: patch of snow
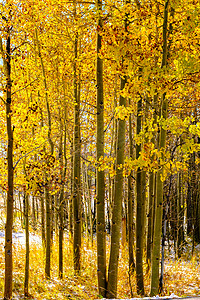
{"x": 19, "y": 237}
{"x": 172, "y": 296}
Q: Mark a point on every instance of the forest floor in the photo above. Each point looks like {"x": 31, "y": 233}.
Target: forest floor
{"x": 181, "y": 277}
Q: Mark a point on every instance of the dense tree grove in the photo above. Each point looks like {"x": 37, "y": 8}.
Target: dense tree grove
{"x": 100, "y": 131}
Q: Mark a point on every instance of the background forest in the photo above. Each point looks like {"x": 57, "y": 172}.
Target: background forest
{"x": 100, "y": 148}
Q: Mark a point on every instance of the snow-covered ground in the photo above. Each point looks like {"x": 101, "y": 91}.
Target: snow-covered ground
{"x": 19, "y": 237}
{"x": 172, "y": 296}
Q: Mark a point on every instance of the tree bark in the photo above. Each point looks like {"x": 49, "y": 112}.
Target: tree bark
{"x": 130, "y": 204}
{"x": 43, "y": 220}
{"x": 9, "y": 206}
{"x": 150, "y": 217}
{"x": 100, "y": 183}
{"x": 159, "y": 187}
{"x": 151, "y": 197}
{"x": 140, "y": 210}
{"x": 48, "y": 232}
{"x": 118, "y": 192}
{"x": 47, "y": 195}
{"x": 180, "y": 216}
{"x": 76, "y": 166}
{"x": 26, "y": 276}
{"x": 117, "y": 207}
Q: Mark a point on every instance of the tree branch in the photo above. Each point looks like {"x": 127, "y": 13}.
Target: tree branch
{"x": 24, "y": 86}
{"x": 28, "y": 154}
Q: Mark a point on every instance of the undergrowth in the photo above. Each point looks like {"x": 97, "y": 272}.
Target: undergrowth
{"x": 181, "y": 277}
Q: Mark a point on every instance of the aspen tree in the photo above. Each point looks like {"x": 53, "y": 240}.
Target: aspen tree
{"x": 6, "y": 56}
{"x": 150, "y": 216}
{"x": 9, "y": 214}
{"x": 113, "y": 153}
{"x": 151, "y": 195}
{"x": 180, "y": 215}
{"x": 63, "y": 170}
{"x": 118, "y": 193}
{"x": 117, "y": 208}
{"x": 194, "y": 198}
{"x": 140, "y": 200}
{"x": 152, "y": 177}
{"x": 43, "y": 232}
{"x": 47, "y": 195}
{"x": 76, "y": 161}
{"x": 26, "y": 219}
{"x": 140, "y": 209}
{"x": 41, "y": 196}
{"x": 77, "y": 181}
{"x": 159, "y": 182}
{"x": 26, "y": 275}
{"x": 100, "y": 183}
{"x": 130, "y": 206}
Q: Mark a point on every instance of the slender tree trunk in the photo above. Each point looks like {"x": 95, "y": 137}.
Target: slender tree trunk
{"x": 48, "y": 232}
{"x": 20, "y": 207}
{"x": 180, "y": 216}
{"x": 194, "y": 197}
{"x": 165, "y": 213}
{"x": 34, "y": 199}
{"x": 113, "y": 151}
{"x": 151, "y": 197}
{"x": 89, "y": 205}
{"x": 37, "y": 209}
{"x": 100, "y": 187}
{"x": 130, "y": 230}
{"x": 70, "y": 204}
{"x": 140, "y": 211}
{"x": 9, "y": 209}
{"x": 63, "y": 170}
{"x": 46, "y": 94}
{"x": 173, "y": 221}
{"x": 60, "y": 203}
{"x": 43, "y": 220}
{"x": 47, "y": 195}
{"x": 42, "y": 196}
{"x": 26, "y": 219}
{"x": 117, "y": 206}
{"x": 130, "y": 204}
{"x": 109, "y": 205}
{"x": 152, "y": 177}
{"x": 118, "y": 193}
{"x": 76, "y": 166}
{"x": 61, "y": 232}
{"x": 150, "y": 217}
{"x": 26, "y": 276}
{"x": 164, "y": 232}
{"x": 85, "y": 213}
{"x": 52, "y": 204}
{"x": 159, "y": 192}
{"x": 197, "y": 215}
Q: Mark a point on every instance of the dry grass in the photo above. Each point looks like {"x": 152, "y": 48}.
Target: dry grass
{"x": 181, "y": 277}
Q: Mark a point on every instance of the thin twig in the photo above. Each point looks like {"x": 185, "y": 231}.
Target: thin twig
{"x": 109, "y": 123}
{"x": 86, "y": 159}
{"x": 24, "y": 86}
{"x": 28, "y": 154}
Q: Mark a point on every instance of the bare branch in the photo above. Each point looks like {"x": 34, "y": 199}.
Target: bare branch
{"x": 28, "y": 154}
{"x": 24, "y": 86}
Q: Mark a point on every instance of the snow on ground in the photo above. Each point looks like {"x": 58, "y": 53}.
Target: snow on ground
{"x": 172, "y": 296}
{"x": 19, "y": 237}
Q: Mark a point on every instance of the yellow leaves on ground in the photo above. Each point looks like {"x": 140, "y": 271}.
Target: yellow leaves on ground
{"x": 182, "y": 277}
{"x": 134, "y": 53}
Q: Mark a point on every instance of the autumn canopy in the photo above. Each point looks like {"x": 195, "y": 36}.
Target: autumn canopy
{"x": 100, "y": 132}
